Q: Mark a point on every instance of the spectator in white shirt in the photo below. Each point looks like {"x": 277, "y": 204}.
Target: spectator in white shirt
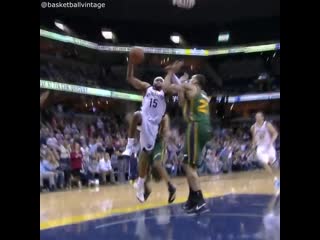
{"x": 105, "y": 167}
{"x": 93, "y": 169}
{"x": 92, "y": 147}
{"x": 46, "y": 175}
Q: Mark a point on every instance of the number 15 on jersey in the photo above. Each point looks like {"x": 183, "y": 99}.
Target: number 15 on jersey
{"x": 153, "y": 102}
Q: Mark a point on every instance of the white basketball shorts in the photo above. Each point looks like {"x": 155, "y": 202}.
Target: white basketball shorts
{"x": 265, "y": 154}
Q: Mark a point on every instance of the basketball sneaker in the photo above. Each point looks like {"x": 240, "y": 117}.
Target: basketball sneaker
{"x": 199, "y": 208}
{"x": 140, "y": 191}
{"x": 172, "y": 194}
{"x": 129, "y": 148}
{"x": 187, "y": 205}
{"x": 140, "y": 195}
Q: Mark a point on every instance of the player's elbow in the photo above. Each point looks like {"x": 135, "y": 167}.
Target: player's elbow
{"x": 129, "y": 79}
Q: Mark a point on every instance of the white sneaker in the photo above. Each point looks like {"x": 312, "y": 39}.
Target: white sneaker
{"x": 140, "y": 192}
{"x": 128, "y": 151}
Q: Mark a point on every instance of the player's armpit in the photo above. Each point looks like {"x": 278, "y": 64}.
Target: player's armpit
{"x": 135, "y": 82}
{"x": 138, "y": 84}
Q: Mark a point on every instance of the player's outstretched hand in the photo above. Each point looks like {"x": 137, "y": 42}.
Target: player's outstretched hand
{"x": 175, "y": 67}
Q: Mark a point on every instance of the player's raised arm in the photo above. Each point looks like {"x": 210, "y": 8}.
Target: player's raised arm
{"x": 273, "y": 132}
{"x": 133, "y": 81}
{"x": 171, "y": 78}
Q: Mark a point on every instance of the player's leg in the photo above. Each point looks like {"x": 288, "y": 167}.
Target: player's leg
{"x": 272, "y": 158}
{"x": 157, "y": 160}
{"x": 264, "y": 158}
{"x": 135, "y": 121}
{"x": 147, "y": 185}
{"x": 267, "y": 157}
{"x": 198, "y": 136}
{"x": 190, "y": 167}
{"x": 143, "y": 171}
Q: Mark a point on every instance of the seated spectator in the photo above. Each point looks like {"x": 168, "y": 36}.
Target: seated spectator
{"x": 65, "y": 164}
{"x": 52, "y": 142}
{"x": 76, "y": 163}
{"x": 121, "y": 162}
{"x": 93, "y": 170}
{"x": 105, "y": 167}
{"x": 214, "y": 165}
{"x": 46, "y": 175}
{"x": 52, "y": 165}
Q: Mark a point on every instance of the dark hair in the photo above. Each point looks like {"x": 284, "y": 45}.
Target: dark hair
{"x": 202, "y": 81}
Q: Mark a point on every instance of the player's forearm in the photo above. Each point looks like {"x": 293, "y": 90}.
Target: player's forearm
{"x": 176, "y": 88}
{"x": 130, "y": 72}
{"x": 175, "y": 79}
{"x": 274, "y": 137}
{"x": 167, "y": 81}
{"x": 181, "y": 98}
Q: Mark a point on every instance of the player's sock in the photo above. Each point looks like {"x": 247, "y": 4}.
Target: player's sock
{"x": 198, "y": 196}
{"x": 128, "y": 150}
{"x": 140, "y": 181}
{"x": 130, "y": 141}
{"x": 190, "y": 202}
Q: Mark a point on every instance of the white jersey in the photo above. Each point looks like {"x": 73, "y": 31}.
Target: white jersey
{"x": 153, "y": 110}
{"x": 262, "y": 134}
{"x": 153, "y": 106}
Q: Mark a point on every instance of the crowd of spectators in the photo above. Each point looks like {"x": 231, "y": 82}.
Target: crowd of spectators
{"x": 77, "y": 151}
{"x": 75, "y": 73}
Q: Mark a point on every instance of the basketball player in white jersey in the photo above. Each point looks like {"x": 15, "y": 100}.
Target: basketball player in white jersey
{"x": 152, "y": 112}
{"x": 263, "y": 138}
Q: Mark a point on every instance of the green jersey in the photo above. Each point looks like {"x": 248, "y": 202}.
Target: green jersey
{"x": 197, "y": 109}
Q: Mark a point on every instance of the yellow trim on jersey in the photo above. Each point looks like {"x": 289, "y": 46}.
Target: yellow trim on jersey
{"x": 184, "y": 110}
{"x": 191, "y": 109}
{"x": 195, "y": 142}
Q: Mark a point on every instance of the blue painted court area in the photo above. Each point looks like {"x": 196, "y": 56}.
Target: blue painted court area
{"x": 230, "y": 217}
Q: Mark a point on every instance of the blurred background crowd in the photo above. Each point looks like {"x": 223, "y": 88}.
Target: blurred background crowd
{"x": 79, "y": 150}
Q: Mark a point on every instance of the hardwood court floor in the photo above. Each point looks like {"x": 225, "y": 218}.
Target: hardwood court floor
{"x": 64, "y": 208}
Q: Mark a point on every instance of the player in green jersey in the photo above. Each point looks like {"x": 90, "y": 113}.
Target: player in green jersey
{"x": 195, "y": 104}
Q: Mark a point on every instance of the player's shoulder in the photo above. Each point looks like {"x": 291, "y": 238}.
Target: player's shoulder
{"x": 268, "y": 124}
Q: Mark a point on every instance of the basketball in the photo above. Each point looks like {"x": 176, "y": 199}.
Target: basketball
{"x": 136, "y": 55}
